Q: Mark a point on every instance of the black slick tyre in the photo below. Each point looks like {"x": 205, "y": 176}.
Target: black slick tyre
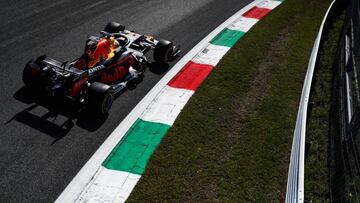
{"x": 163, "y": 51}
{"x": 100, "y": 98}
{"x": 114, "y": 27}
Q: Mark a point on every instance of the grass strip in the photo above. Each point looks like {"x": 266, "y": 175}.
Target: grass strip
{"x": 232, "y": 142}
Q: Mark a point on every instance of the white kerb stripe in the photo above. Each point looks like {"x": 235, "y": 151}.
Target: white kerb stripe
{"x": 126, "y": 189}
{"x": 167, "y": 105}
{"x": 269, "y": 4}
{"x": 211, "y": 54}
{"x": 109, "y": 186}
{"x": 243, "y": 24}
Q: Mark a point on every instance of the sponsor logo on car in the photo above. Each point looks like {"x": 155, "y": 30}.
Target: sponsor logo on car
{"x": 118, "y": 73}
{"x": 95, "y": 69}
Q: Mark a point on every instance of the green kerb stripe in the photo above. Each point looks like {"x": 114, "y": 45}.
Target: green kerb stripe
{"x": 132, "y": 153}
{"x": 227, "y": 37}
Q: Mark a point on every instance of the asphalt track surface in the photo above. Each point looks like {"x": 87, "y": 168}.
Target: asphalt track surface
{"x": 44, "y": 142}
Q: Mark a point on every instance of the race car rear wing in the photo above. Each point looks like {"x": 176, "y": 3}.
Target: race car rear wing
{"x": 59, "y": 67}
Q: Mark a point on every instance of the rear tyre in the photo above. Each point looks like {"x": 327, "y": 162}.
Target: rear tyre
{"x": 114, "y": 27}
{"x": 163, "y": 51}
{"x": 101, "y": 97}
{"x": 29, "y": 75}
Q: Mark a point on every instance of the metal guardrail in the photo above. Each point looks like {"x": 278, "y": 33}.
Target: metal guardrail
{"x": 295, "y": 183}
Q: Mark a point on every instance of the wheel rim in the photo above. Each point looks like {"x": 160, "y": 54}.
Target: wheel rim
{"x": 107, "y": 103}
{"x": 169, "y": 53}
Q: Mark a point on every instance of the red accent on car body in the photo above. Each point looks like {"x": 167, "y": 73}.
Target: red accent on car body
{"x": 77, "y": 86}
{"x": 34, "y": 71}
{"x": 103, "y": 48}
{"x": 118, "y": 73}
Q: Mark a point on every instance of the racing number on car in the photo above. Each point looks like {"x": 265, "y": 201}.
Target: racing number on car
{"x": 118, "y": 74}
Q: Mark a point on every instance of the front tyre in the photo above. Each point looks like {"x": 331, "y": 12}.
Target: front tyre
{"x": 101, "y": 97}
{"x": 163, "y": 51}
{"x": 114, "y": 27}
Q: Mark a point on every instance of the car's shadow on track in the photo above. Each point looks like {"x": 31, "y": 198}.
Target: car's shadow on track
{"x": 158, "y": 68}
{"x": 54, "y": 116}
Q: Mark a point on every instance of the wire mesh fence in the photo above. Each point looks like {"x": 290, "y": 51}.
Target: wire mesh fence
{"x": 344, "y": 159}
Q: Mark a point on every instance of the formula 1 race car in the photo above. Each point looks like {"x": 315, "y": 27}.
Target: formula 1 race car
{"x": 111, "y": 63}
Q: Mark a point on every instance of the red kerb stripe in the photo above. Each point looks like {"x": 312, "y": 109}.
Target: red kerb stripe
{"x": 191, "y": 76}
{"x": 257, "y": 12}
